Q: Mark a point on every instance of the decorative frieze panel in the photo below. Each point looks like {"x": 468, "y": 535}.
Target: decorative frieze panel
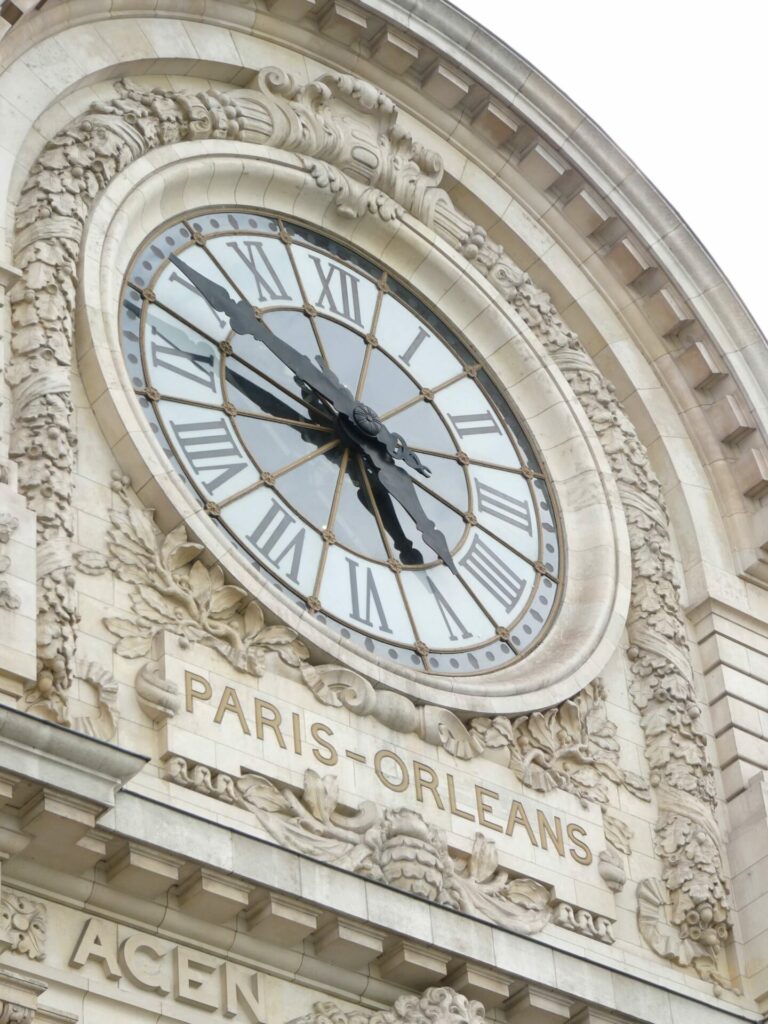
{"x": 396, "y": 846}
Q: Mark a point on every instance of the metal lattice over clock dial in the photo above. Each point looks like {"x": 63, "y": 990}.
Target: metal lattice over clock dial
{"x": 346, "y": 440}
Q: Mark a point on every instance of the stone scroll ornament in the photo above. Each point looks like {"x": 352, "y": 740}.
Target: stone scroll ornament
{"x": 347, "y": 132}
{"x": 394, "y": 846}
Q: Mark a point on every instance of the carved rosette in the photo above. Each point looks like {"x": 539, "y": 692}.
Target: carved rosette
{"x": 347, "y": 132}
{"x": 23, "y": 925}
{"x": 437, "y": 1005}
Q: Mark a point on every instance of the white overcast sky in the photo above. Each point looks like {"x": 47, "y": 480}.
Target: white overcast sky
{"x": 682, "y": 87}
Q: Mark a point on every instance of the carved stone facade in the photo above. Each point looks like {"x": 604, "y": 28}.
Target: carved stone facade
{"x": 188, "y": 742}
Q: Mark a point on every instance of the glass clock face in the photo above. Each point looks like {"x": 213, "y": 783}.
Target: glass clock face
{"x": 345, "y": 438}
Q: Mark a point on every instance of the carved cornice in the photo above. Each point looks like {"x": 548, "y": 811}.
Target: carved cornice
{"x": 347, "y": 132}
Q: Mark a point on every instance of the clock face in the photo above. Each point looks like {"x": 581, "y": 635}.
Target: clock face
{"x": 345, "y": 439}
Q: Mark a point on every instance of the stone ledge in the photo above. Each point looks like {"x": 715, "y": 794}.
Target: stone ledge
{"x": 64, "y": 760}
{"x": 510, "y": 956}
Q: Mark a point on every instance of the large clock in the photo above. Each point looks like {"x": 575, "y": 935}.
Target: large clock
{"x": 349, "y": 443}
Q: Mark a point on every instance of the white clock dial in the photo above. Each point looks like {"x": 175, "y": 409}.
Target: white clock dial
{"x": 356, "y": 451}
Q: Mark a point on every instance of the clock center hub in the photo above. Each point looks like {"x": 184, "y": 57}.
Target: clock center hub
{"x": 366, "y": 420}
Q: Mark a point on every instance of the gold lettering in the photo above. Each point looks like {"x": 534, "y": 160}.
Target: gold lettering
{"x": 483, "y": 808}
{"x": 585, "y": 857}
{"x": 272, "y": 721}
{"x": 135, "y": 970}
{"x": 396, "y": 787}
{"x": 424, "y": 777}
{"x": 327, "y": 753}
{"x": 517, "y": 816}
{"x": 98, "y": 941}
{"x": 455, "y": 809}
{"x": 546, "y": 833}
{"x": 296, "y": 727}
{"x": 231, "y": 702}
{"x": 202, "y": 691}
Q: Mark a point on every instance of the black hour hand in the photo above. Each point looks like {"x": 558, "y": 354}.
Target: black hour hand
{"x": 397, "y": 483}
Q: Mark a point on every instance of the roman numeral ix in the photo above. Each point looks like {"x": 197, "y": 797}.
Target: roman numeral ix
{"x": 191, "y": 365}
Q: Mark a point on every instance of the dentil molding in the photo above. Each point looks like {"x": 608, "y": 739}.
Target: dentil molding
{"x": 347, "y": 132}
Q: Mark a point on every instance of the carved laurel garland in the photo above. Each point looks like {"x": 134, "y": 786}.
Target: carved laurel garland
{"x": 395, "y": 846}
{"x": 377, "y": 168}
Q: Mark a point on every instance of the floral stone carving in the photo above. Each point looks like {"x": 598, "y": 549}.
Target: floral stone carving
{"x": 436, "y": 1005}
{"x": 8, "y": 524}
{"x": 173, "y": 590}
{"x": 571, "y": 747}
{"x": 347, "y": 132}
{"x": 23, "y": 925}
{"x": 394, "y": 846}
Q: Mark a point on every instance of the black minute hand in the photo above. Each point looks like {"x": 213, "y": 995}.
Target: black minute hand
{"x": 243, "y": 320}
{"x": 323, "y": 381}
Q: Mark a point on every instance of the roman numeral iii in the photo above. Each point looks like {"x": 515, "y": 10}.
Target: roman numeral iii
{"x": 475, "y": 423}
{"x": 484, "y": 565}
{"x": 503, "y": 506}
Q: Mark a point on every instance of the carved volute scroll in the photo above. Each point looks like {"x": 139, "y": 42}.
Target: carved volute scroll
{"x": 347, "y": 132}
